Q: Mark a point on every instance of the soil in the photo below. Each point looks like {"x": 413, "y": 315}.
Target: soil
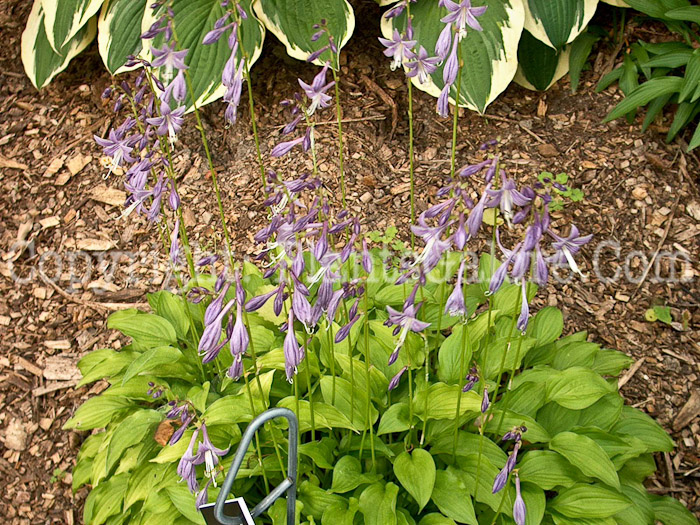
{"x": 60, "y": 218}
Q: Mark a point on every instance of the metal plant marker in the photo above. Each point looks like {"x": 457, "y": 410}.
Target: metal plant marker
{"x": 235, "y": 511}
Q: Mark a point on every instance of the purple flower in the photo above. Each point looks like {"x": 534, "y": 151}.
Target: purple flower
{"x": 344, "y": 331}
{"x": 434, "y": 246}
{"x": 422, "y": 65}
{"x": 442, "y": 47}
{"x": 175, "y": 243}
{"x": 443, "y": 102}
{"x": 117, "y": 147}
{"x": 239, "y": 337}
{"x": 567, "y": 247}
{"x": 176, "y": 90}
{"x": 235, "y": 371}
{"x": 500, "y": 481}
{"x": 203, "y": 495}
{"x": 316, "y": 92}
{"x": 366, "y": 257}
{"x": 209, "y": 343}
{"x": 399, "y": 47}
{"x": 186, "y": 420}
{"x": 476, "y": 216}
{"x": 285, "y": 147}
{"x": 168, "y": 57}
{"x": 506, "y": 197}
{"x": 449, "y": 72}
{"x": 292, "y": 352}
{"x": 214, "y": 308}
{"x": 208, "y": 454}
{"x": 258, "y": 302}
{"x": 485, "y": 400}
{"x": 405, "y": 322}
{"x": 524, "y": 308}
{"x": 463, "y": 15}
{"x": 455, "y": 305}
{"x": 169, "y": 122}
{"x": 472, "y": 378}
{"x": 519, "y": 510}
{"x": 186, "y": 467}
{"x": 395, "y": 380}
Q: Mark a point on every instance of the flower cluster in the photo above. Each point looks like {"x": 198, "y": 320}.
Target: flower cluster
{"x": 206, "y": 454}
{"x": 234, "y": 71}
{"x": 516, "y": 434}
{"x": 401, "y": 47}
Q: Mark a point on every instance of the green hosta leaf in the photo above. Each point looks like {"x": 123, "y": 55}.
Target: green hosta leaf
{"x": 97, "y": 412}
{"x": 338, "y": 513}
{"x": 587, "y": 455}
{"x": 350, "y": 401}
{"x": 640, "y": 511}
{"x": 119, "y": 32}
{"x": 142, "y": 481}
{"x": 644, "y": 94}
{"x": 540, "y": 66}
{"x": 506, "y": 350}
{"x": 292, "y": 21}
{"x": 146, "y": 330}
{"x": 638, "y": 469}
{"x": 41, "y": 62}
{"x": 546, "y": 326}
{"x": 395, "y": 419}
{"x": 131, "y": 431}
{"x": 347, "y": 475}
{"x": 468, "y": 443}
{"x": 378, "y": 504}
{"x": 321, "y": 452}
{"x": 152, "y": 360}
{"x": 670, "y": 511}
{"x": 548, "y": 469}
{"x": 636, "y": 423}
{"x": 535, "y": 432}
{"x": 172, "y": 308}
{"x": 416, "y": 472}
{"x": 487, "y": 473}
{"x": 104, "y": 363}
{"x": 436, "y": 519}
{"x": 326, "y": 416}
{"x": 193, "y": 20}
{"x": 450, "y": 358}
{"x": 610, "y": 362}
{"x": 602, "y": 414}
{"x": 589, "y": 501}
{"x": 105, "y": 500}
{"x": 528, "y": 398}
{"x": 184, "y": 501}
{"x": 558, "y": 22}
{"x": 64, "y": 19}
{"x": 689, "y": 13}
{"x": 490, "y": 55}
{"x": 579, "y": 353}
{"x": 576, "y": 388}
{"x": 535, "y": 502}
{"x": 442, "y": 402}
{"x": 451, "y": 497}
{"x": 316, "y": 500}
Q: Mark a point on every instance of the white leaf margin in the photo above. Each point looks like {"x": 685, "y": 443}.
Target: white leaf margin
{"x": 505, "y": 70}
{"x": 616, "y": 3}
{"x": 536, "y": 28}
{"x": 104, "y": 36}
{"x": 50, "y": 8}
{"x": 561, "y": 70}
{"x": 29, "y": 39}
{"x": 294, "y": 51}
{"x": 215, "y": 90}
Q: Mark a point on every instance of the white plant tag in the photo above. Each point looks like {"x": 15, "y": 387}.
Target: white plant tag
{"x": 234, "y": 508}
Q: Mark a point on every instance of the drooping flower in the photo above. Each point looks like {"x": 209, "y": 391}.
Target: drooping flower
{"x": 395, "y": 380}
{"x": 463, "y": 15}
{"x": 399, "y": 47}
{"x": 117, "y": 147}
{"x": 472, "y": 378}
{"x": 455, "y": 305}
{"x": 292, "y": 352}
{"x": 169, "y": 58}
{"x": 169, "y": 122}
{"x": 519, "y": 510}
{"x": 506, "y": 197}
{"x": 316, "y": 92}
{"x": 421, "y": 65}
{"x": 567, "y": 247}
{"x": 208, "y": 454}
{"x": 186, "y": 466}
{"x": 485, "y": 400}
{"x": 404, "y": 322}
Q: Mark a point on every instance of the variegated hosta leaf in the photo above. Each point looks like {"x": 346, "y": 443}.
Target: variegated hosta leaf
{"x": 41, "y": 62}
{"x": 540, "y": 66}
{"x": 292, "y": 22}
{"x": 119, "y": 33}
{"x": 490, "y": 56}
{"x": 193, "y": 20}
{"x": 64, "y": 18}
{"x": 558, "y": 22}
{"x": 617, "y": 3}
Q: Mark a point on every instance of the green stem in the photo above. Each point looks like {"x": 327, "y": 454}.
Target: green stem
{"x": 503, "y": 500}
{"x": 331, "y": 345}
{"x": 308, "y": 383}
{"x": 411, "y": 160}
{"x": 369, "y": 382}
{"x": 453, "y": 154}
{"x": 339, "y": 117}
{"x": 462, "y": 373}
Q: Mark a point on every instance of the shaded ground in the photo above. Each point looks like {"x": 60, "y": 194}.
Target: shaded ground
{"x": 640, "y": 195}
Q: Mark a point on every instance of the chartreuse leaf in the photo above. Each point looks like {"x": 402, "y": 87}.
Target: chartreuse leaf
{"x": 172, "y": 308}
{"x": 558, "y": 22}
{"x": 151, "y": 360}
{"x": 490, "y": 55}
{"x": 325, "y": 415}
{"x": 97, "y": 412}
{"x": 395, "y": 419}
{"x": 535, "y": 432}
{"x": 316, "y": 500}
{"x": 119, "y": 32}
{"x": 64, "y": 19}
{"x": 142, "y": 481}
{"x": 670, "y": 511}
{"x": 576, "y": 388}
{"x": 131, "y": 431}
{"x": 450, "y": 358}
{"x": 193, "y": 20}
{"x": 41, "y": 62}
{"x": 321, "y": 452}
{"x": 146, "y": 330}
{"x": 416, "y": 472}
{"x": 636, "y": 423}
{"x": 578, "y": 353}
{"x": 468, "y": 443}
{"x": 347, "y": 475}
{"x": 587, "y": 456}
{"x": 378, "y": 504}
{"x": 436, "y": 519}
{"x": 292, "y": 22}
{"x": 442, "y": 401}
{"x": 184, "y": 501}
{"x": 349, "y": 401}
{"x": 487, "y": 473}
{"x": 548, "y": 469}
{"x": 105, "y": 499}
{"x": 451, "y": 497}
{"x": 589, "y": 501}
{"x": 104, "y": 363}
{"x": 546, "y": 326}
{"x": 640, "y": 511}
{"x": 610, "y": 362}
{"x": 339, "y": 513}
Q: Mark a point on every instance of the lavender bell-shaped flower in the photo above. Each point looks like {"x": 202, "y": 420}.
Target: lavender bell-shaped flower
{"x": 405, "y": 322}
{"x": 485, "y": 400}
{"x": 209, "y": 455}
{"x": 455, "y": 305}
{"x": 209, "y": 343}
{"x": 422, "y": 66}
{"x": 463, "y": 15}
{"x": 399, "y": 47}
{"x": 239, "y": 337}
{"x": 395, "y": 380}
{"x": 292, "y": 352}
{"x": 316, "y": 92}
{"x": 523, "y": 318}
{"x": 567, "y": 247}
{"x": 186, "y": 466}
{"x": 519, "y": 510}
